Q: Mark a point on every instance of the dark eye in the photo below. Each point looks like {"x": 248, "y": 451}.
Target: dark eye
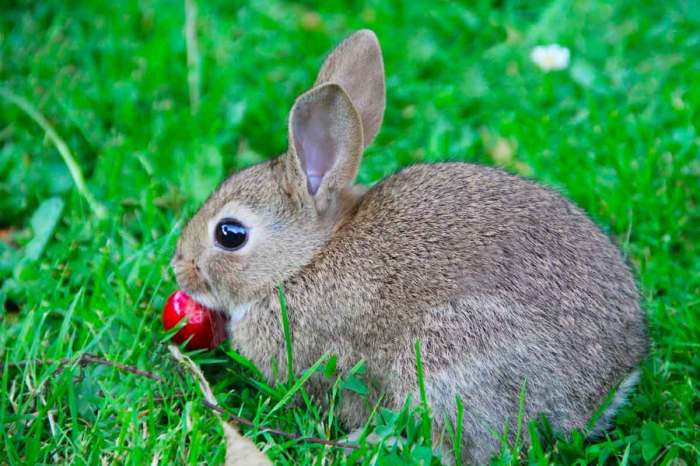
{"x": 230, "y": 234}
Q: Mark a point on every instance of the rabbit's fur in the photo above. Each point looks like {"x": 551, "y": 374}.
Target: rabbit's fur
{"x": 504, "y": 282}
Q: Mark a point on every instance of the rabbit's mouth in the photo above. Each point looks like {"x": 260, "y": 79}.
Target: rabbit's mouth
{"x": 233, "y": 312}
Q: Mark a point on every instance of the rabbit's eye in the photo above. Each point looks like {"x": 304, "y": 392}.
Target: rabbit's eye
{"x": 230, "y": 234}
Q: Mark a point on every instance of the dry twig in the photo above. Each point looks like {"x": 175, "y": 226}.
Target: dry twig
{"x": 84, "y": 359}
{"x": 282, "y": 433}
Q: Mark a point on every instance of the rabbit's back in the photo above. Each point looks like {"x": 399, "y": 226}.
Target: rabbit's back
{"x": 456, "y": 229}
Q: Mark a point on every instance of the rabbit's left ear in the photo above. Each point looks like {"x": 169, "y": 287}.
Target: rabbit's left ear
{"x": 356, "y": 64}
{"x": 325, "y": 143}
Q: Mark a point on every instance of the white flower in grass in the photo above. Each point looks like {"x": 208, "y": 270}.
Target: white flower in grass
{"x": 550, "y": 57}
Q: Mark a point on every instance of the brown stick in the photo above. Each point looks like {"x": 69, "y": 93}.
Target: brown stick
{"x": 87, "y": 358}
{"x": 289, "y": 435}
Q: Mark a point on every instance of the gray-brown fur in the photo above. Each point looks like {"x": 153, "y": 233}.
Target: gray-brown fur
{"x": 503, "y": 281}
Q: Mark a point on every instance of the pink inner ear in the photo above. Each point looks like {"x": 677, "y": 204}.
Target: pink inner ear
{"x": 313, "y": 182}
{"x": 314, "y": 142}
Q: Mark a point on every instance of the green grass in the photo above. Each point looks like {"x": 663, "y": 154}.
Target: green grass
{"x": 618, "y": 132}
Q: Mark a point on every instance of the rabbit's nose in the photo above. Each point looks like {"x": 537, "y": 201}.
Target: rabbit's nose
{"x": 189, "y": 276}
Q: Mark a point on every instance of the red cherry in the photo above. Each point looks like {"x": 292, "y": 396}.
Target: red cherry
{"x": 206, "y": 326}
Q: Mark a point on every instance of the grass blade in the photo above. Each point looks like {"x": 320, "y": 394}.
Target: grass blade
{"x": 457, "y": 442}
{"x": 425, "y": 408}
{"x": 521, "y": 416}
{"x": 287, "y": 335}
{"x": 297, "y": 385}
{"x": 75, "y": 172}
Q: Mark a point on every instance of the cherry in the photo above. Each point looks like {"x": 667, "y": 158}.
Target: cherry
{"x": 206, "y": 326}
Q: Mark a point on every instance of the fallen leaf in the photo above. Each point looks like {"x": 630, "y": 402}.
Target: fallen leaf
{"x": 241, "y": 450}
{"x": 43, "y": 222}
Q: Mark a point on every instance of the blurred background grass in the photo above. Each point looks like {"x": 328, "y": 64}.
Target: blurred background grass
{"x": 617, "y": 132}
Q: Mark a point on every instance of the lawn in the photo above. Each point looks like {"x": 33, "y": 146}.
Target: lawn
{"x": 84, "y": 267}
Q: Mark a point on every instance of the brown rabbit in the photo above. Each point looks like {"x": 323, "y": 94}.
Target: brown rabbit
{"x": 503, "y": 281}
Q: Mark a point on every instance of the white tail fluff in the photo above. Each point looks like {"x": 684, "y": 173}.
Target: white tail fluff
{"x": 620, "y": 398}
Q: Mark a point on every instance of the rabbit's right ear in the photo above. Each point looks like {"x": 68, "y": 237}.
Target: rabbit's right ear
{"x": 325, "y": 145}
{"x": 357, "y": 66}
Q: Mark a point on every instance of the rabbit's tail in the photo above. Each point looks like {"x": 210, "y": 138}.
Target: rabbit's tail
{"x": 619, "y": 399}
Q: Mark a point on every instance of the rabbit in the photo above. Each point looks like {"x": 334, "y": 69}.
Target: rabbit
{"x": 505, "y": 283}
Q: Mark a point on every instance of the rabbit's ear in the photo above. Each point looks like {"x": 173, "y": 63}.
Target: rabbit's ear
{"x": 325, "y": 143}
{"x": 356, "y": 64}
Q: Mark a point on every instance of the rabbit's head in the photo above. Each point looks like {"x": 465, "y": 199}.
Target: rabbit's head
{"x": 267, "y": 222}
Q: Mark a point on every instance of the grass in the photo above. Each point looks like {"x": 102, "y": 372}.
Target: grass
{"x": 617, "y": 132}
